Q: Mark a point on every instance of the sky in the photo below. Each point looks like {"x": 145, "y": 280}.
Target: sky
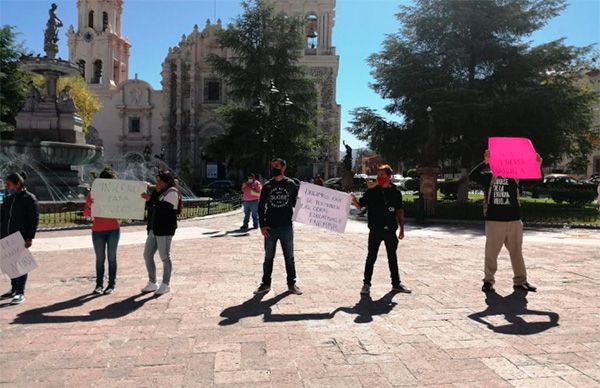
{"x": 152, "y": 26}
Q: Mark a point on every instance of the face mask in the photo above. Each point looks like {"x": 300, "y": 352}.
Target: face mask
{"x": 275, "y": 172}
{"x": 11, "y": 191}
{"x": 381, "y": 180}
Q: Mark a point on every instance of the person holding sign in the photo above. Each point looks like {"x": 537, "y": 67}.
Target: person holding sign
{"x": 251, "y": 194}
{"x": 105, "y": 238}
{"x": 18, "y": 213}
{"x": 385, "y": 215}
{"x": 163, "y": 206}
{"x": 275, "y": 211}
{"x": 503, "y": 225}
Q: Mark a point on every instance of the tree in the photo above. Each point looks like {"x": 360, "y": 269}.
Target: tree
{"x": 86, "y": 100}
{"x": 13, "y": 80}
{"x": 470, "y": 62}
{"x": 266, "y": 48}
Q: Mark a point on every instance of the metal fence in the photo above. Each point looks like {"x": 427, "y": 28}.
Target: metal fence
{"x": 64, "y": 215}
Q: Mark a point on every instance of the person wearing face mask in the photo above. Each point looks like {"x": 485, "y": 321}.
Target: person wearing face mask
{"x": 275, "y": 211}
{"x": 163, "y": 206}
{"x": 251, "y": 194}
{"x": 385, "y": 215}
{"x": 19, "y": 213}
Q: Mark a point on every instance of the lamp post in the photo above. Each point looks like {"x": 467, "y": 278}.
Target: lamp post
{"x": 428, "y": 169}
{"x": 266, "y": 129}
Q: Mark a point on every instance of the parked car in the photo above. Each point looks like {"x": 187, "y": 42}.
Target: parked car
{"x": 594, "y": 179}
{"x": 400, "y": 181}
{"x": 218, "y": 189}
{"x": 562, "y": 188}
{"x": 358, "y": 183}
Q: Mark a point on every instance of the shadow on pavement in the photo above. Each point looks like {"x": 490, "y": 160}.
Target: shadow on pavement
{"x": 251, "y": 308}
{"x": 111, "y": 311}
{"x": 365, "y": 309}
{"x": 513, "y": 307}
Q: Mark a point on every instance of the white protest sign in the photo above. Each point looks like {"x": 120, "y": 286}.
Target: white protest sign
{"x": 15, "y": 259}
{"x": 322, "y": 207}
{"x": 115, "y": 198}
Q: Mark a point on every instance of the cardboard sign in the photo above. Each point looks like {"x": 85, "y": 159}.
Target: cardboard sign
{"x": 322, "y": 207}
{"x": 114, "y": 198}
{"x": 15, "y": 259}
{"x": 513, "y": 157}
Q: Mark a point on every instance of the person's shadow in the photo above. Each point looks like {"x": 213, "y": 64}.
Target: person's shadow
{"x": 111, "y": 311}
{"x": 253, "y": 307}
{"x": 513, "y": 307}
{"x": 366, "y": 307}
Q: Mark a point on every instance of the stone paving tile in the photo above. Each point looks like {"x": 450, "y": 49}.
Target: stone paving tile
{"x": 212, "y": 331}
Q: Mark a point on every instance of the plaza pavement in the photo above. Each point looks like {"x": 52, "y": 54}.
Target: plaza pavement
{"x": 211, "y": 330}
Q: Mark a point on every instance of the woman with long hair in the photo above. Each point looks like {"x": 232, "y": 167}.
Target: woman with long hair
{"x": 163, "y": 207}
{"x": 105, "y": 238}
{"x": 19, "y": 213}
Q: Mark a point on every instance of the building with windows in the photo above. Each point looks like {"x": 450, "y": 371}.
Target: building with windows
{"x": 177, "y": 123}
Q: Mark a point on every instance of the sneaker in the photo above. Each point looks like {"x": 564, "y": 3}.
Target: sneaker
{"x": 244, "y": 227}
{"x": 365, "y": 290}
{"x": 150, "y": 287}
{"x": 294, "y": 289}
{"x": 401, "y": 288}
{"x": 98, "y": 290}
{"x": 255, "y": 227}
{"x": 109, "y": 290}
{"x": 262, "y": 289}
{"x": 163, "y": 289}
{"x": 526, "y": 287}
{"x": 8, "y": 295}
{"x": 18, "y": 299}
{"x": 487, "y": 287}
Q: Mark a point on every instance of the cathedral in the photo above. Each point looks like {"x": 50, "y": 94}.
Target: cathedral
{"x": 137, "y": 123}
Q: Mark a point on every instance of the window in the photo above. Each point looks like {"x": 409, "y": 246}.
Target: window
{"x": 97, "y": 76}
{"x": 134, "y": 125}
{"x": 91, "y": 19}
{"x": 312, "y": 26}
{"x": 81, "y": 65}
{"x": 212, "y": 91}
{"x": 104, "y": 21}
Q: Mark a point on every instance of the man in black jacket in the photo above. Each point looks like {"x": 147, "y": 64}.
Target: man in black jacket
{"x": 275, "y": 211}
{"x": 503, "y": 225}
{"x": 18, "y": 213}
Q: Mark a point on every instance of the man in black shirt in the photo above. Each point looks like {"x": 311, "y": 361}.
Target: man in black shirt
{"x": 503, "y": 225}
{"x": 384, "y": 203}
{"x": 275, "y": 211}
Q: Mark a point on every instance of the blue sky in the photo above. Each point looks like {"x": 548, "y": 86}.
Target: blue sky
{"x": 361, "y": 25}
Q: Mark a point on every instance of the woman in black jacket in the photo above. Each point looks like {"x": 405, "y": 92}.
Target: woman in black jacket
{"x": 163, "y": 205}
{"x": 18, "y": 213}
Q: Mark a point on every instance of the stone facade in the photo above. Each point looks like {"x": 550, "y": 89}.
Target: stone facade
{"x": 179, "y": 121}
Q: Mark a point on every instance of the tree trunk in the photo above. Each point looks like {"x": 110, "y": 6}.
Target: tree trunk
{"x": 463, "y": 187}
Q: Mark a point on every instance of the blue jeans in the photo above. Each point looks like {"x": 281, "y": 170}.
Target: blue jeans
{"x": 105, "y": 244}
{"x": 163, "y": 245}
{"x": 285, "y": 234}
{"x": 251, "y": 207}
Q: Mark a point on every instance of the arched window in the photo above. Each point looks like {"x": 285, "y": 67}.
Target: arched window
{"x": 81, "y": 65}
{"x": 97, "y": 76}
{"x": 91, "y": 19}
{"x": 104, "y": 21}
{"x": 312, "y": 36}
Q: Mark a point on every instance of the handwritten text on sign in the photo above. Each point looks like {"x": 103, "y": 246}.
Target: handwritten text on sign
{"x": 513, "y": 157}
{"x": 114, "y": 198}
{"x": 322, "y": 207}
{"x": 15, "y": 259}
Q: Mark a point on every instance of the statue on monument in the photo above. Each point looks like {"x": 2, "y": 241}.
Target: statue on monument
{"x": 348, "y": 174}
{"x": 65, "y": 102}
{"x": 33, "y": 98}
{"x": 348, "y": 157}
{"x": 51, "y": 33}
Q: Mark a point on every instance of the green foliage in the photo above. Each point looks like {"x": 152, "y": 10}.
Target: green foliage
{"x": 472, "y": 63}
{"x": 266, "y": 47}
{"x": 574, "y": 196}
{"x": 13, "y": 80}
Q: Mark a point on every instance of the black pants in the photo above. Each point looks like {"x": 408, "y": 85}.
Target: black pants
{"x": 18, "y": 284}
{"x": 391, "y": 244}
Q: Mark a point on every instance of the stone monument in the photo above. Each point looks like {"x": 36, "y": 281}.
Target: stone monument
{"x": 428, "y": 169}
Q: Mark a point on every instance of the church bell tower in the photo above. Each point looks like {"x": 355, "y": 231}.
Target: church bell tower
{"x": 97, "y": 45}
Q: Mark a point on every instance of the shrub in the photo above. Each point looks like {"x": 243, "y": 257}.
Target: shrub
{"x": 573, "y": 196}
{"x": 449, "y": 188}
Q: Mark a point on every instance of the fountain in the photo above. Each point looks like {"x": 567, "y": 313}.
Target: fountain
{"x": 49, "y": 141}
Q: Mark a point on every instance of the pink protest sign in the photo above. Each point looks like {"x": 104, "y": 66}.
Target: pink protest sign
{"x": 513, "y": 157}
